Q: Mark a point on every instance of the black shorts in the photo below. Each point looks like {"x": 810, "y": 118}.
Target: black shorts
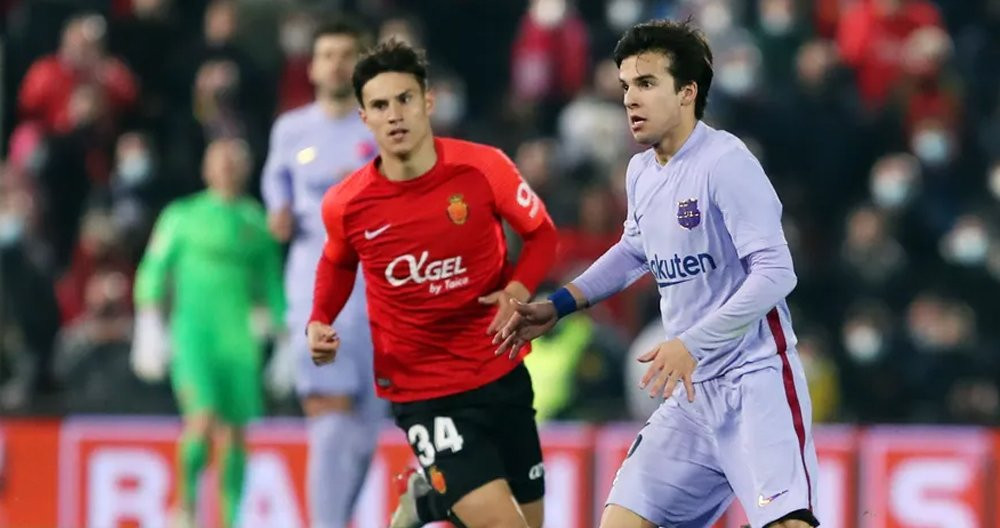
{"x": 465, "y": 440}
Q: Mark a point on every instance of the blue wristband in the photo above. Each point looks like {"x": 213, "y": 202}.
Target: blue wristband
{"x": 564, "y": 302}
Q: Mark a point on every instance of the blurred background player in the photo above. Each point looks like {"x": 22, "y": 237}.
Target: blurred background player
{"x": 215, "y": 248}
{"x": 745, "y": 425}
{"x": 424, "y": 221}
{"x": 312, "y": 148}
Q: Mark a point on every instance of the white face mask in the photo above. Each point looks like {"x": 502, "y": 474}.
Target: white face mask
{"x": 892, "y": 189}
{"x": 548, "y": 13}
{"x": 135, "y": 168}
{"x": 11, "y": 229}
{"x": 932, "y": 146}
{"x": 737, "y": 78}
{"x": 863, "y": 343}
{"x": 622, "y": 14}
{"x": 449, "y": 108}
{"x": 777, "y": 21}
{"x": 968, "y": 246}
{"x": 715, "y": 18}
{"x": 294, "y": 39}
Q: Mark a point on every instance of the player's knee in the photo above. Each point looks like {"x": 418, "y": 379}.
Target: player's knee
{"x": 491, "y": 505}
{"x": 227, "y": 434}
{"x": 199, "y": 426}
{"x": 796, "y": 519}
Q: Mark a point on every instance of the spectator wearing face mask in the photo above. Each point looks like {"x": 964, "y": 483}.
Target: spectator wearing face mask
{"x": 26, "y": 336}
{"x": 779, "y": 33}
{"x": 874, "y": 385}
{"x": 549, "y": 58}
{"x": 872, "y": 262}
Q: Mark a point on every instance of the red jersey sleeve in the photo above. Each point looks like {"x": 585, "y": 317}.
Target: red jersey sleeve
{"x": 521, "y": 207}
{"x": 337, "y": 266}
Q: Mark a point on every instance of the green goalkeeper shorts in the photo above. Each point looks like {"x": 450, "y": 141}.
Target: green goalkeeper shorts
{"x": 223, "y": 381}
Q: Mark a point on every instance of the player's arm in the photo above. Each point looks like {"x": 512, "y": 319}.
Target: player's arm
{"x": 615, "y": 270}
{"x": 752, "y": 214}
{"x": 276, "y": 185}
{"x": 335, "y": 274}
{"x": 159, "y": 258}
{"x": 150, "y": 353}
{"x": 524, "y": 211}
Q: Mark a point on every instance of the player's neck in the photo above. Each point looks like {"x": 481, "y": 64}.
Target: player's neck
{"x": 222, "y": 195}
{"x": 336, "y": 107}
{"x": 419, "y": 161}
{"x": 667, "y": 148}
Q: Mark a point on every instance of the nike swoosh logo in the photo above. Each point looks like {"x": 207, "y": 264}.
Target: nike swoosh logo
{"x": 372, "y": 234}
{"x": 764, "y": 501}
{"x": 671, "y": 283}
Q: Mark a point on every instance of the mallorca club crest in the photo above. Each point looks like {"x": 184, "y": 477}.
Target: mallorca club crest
{"x": 458, "y": 210}
{"x": 688, "y": 215}
{"x": 437, "y": 480}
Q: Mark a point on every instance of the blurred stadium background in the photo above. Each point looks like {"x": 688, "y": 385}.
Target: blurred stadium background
{"x": 878, "y": 122}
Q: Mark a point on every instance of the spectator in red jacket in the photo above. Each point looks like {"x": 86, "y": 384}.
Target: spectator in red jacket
{"x": 871, "y": 38}
{"x": 550, "y": 56}
{"x": 81, "y": 59}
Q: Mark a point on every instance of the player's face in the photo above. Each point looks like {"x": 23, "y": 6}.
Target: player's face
{"x": 225, "y": 167}
{"x": 333, "y": 60}
{"x": 397, "y": 110}
{"x": 653, "y": 104}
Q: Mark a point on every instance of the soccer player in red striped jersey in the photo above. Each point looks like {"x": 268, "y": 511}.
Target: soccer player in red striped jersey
{"x": 424, "y": 220}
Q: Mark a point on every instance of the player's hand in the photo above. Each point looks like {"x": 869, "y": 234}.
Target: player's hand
{"x": 670, "y": 362}
{"x": 281, "y": 223}
{"x": 528, "y": 321}
{"x": 504, "y": 300}
{"x": 323, "y": 343}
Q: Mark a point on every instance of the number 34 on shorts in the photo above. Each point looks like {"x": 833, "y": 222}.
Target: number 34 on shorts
{"x": 427, "y": 444}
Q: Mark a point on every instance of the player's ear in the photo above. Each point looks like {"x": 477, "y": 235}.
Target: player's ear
{"x": 428, "y": 101}
{"x": 362, "y": 114}
{"x": 689, "y": 93}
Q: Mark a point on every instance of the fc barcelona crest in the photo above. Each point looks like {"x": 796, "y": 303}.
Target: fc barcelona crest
{"x": 688, "y": 215}
{"x": 458, "y": 210}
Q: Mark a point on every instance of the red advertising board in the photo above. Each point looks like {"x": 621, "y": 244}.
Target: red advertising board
{"x": 120, "y": 473}
{"x": 929, "y": 477}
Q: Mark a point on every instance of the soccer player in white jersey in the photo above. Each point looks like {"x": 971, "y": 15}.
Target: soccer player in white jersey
{"x": 705, "y": 221}
{"x": 312, "y": 148}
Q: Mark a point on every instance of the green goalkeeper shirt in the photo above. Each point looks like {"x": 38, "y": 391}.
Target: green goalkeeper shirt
{"x": 220, "y": 259}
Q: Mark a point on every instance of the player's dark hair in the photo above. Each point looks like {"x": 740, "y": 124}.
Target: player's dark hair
{"x": 682, "y": 43}
{"x": 390, "y": 56}
{"x": 343, "y": 25}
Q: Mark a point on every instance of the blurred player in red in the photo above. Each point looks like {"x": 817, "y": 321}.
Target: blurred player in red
{"x": 424, "y": 221}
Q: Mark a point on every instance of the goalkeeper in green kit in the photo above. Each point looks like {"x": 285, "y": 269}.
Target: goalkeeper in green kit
{"x": 215, "y": 248}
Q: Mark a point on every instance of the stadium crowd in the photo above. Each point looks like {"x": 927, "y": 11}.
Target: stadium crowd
{"x": 878, "y": 122}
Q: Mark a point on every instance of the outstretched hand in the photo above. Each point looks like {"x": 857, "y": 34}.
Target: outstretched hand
{"x": 526, "y": 322}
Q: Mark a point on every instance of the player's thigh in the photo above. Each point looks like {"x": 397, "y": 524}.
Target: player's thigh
{"x": 453, "y": 447}
{"x": 671, "y": 476}
{"x": 534, "y": 513}
{"x": 616, "y": 516}
{"x": 191, "y": 376}
{"x": 241, "y": 396}
{"x": 768, "y": 454}
{"x": 515, "y": 433}
{"x": 491, "y": 505}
